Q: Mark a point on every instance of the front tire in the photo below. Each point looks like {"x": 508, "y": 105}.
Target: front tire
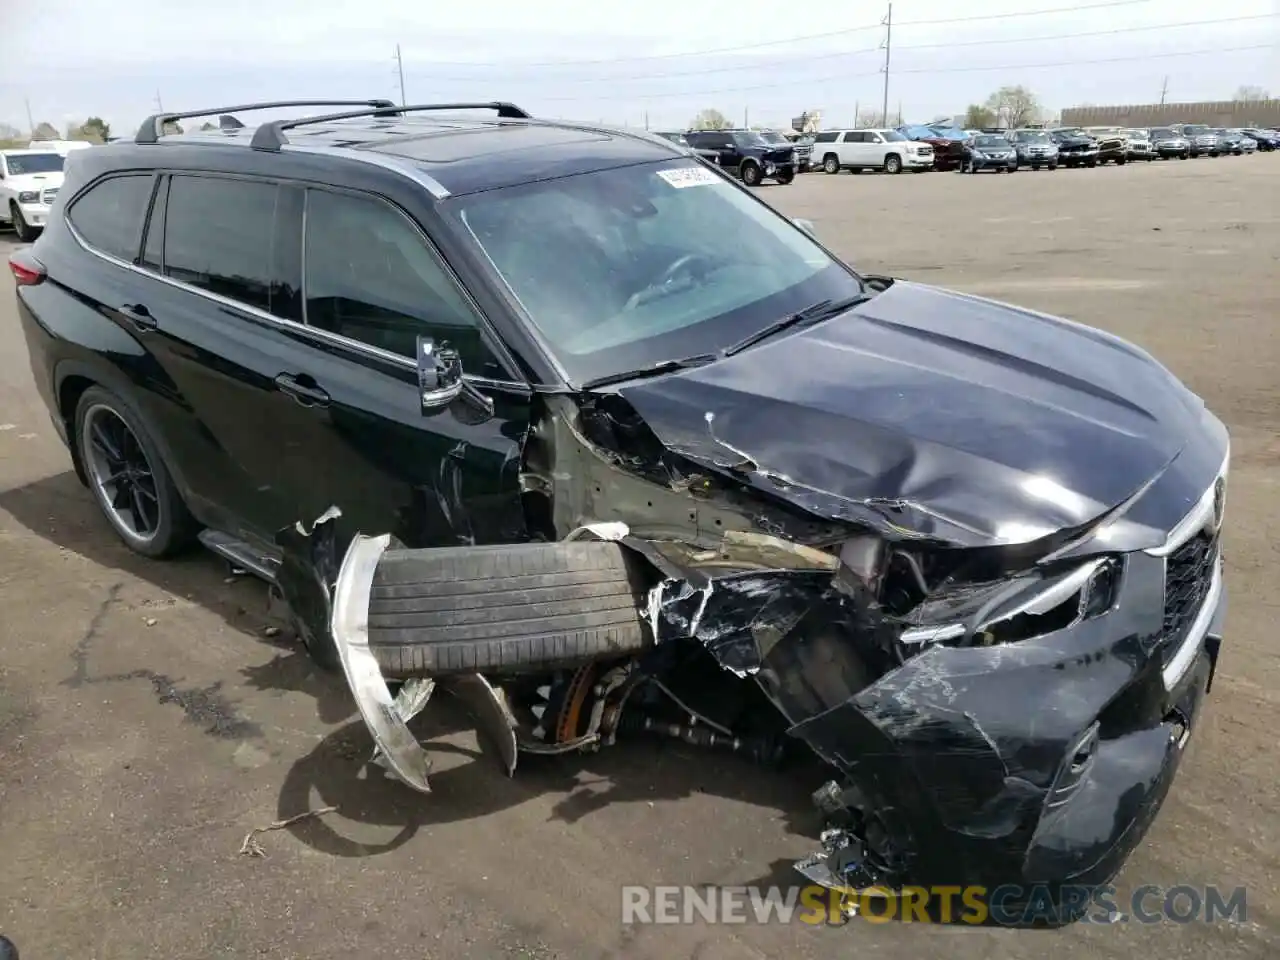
{"x": 26, "y": 233}
{"x": 830, "y": 164}
{"x": 893, "y": 163}
{"x": 785, "y": 177}
{"x": 128, "y": 477}
{"x": 751, "y": 174}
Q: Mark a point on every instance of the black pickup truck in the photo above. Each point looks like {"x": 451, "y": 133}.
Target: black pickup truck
{"x": 747, "y": 152}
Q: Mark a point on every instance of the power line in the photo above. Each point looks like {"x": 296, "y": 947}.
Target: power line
{"x": 875, "y": 73}
{"x": 866, "y": 28}
{"x": 758, "y": 65}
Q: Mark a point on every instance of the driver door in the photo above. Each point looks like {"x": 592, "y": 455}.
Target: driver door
{"x": 348, "y": 417}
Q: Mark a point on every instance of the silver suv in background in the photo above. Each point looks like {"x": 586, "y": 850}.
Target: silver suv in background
{"x": 1201, "y": 138}
{"x": 1035, "y": 149}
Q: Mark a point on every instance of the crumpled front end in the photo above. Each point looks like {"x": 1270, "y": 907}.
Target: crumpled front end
{"x": 993, "y": 712}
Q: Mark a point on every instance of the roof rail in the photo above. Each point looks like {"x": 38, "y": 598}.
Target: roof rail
{"x": 270, "y": 135}
{"x": 154, "y": 125}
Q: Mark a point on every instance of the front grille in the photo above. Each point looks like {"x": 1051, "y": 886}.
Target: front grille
{"x": 49, "y": 195}
{"x": 1188, "y": 576}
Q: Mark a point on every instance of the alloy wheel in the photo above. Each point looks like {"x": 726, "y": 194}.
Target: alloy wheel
{"x": 121, "y": 474}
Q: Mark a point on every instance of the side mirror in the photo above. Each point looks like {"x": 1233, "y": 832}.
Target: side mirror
{"x": 807, "y": 226}
{"x": 439, "y": 374}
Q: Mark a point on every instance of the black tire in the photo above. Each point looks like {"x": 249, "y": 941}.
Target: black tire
{"x": 1093, "y": 163}
{"x": 830, "y": 163}
{"x": 1053, "y": 166}
{"x": 26, "y": 233}
{"x": 508, "y": 608}
{"x": 893, "y": 163}
{"x": 175, "y": 529}
{"x": 785, "y": 177}
{"x": 751, "y": 174}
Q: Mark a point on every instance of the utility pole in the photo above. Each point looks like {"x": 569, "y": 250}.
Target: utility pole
{"x": 159, "y": 104}
{"x": 646, "y": 119}
{"x": 400, "y": 70}
{"x": 31, "y": 121}
{"x": 888, "y": 48}
{"x": 746, "y": 118}
{"x": 1164, "y": 89}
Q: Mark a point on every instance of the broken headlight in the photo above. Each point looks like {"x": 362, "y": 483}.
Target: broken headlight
{"x": 1016, "y": 609}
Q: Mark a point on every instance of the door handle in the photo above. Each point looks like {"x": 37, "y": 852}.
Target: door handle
{"x": 308, "y": 393}
{"x": 140, "y": 317}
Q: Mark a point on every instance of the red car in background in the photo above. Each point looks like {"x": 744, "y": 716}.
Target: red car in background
{"x": 947, "y": 142}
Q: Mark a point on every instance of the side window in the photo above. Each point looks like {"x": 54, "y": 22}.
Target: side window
{"x": 372, "y": 277}
{"x": 153, "y": 244}
{"x": 219, "y": 236}
{"x": 109, "y": 216}
{"x": 828, "y": 136}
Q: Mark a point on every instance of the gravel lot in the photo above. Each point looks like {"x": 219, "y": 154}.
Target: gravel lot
{"x": 147, "y": 721}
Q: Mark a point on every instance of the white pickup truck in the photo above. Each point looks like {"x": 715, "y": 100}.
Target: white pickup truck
{"x": 887, "y": 150}
{"x": 29, "y": 182}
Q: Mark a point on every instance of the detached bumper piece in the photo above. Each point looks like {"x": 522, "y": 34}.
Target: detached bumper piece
{"x": 450, "y": 615}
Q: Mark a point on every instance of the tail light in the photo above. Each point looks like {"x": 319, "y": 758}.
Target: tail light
{"x": 27, "y": 270}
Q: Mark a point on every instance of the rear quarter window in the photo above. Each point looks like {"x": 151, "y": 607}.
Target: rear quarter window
{"x": 108, "y": 217}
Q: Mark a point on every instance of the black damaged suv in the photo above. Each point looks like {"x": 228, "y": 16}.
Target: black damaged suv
{"x": 570, "y": 420}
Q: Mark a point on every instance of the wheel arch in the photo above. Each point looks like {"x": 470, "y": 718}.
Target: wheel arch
{"x": 72, "y": 378}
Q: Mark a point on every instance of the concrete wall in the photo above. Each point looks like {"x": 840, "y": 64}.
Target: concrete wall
{"x": 1225, "y": 113}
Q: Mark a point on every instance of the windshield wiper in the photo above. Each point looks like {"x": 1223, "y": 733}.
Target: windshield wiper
{"x": 666, "y": 366}
{"x": 813, "y": 313}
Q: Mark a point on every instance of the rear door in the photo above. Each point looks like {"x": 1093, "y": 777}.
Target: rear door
{"x": 346, "y": 426}
{"x": 226, "y": 261}
{"x": 722, "y": 143}
{"x": 854, "y": 148}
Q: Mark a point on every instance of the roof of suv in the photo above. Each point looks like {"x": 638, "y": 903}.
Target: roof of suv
{"x": 461, "y": 154}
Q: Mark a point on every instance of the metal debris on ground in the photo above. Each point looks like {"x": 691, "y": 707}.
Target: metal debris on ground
{"x": 250, "y": 847}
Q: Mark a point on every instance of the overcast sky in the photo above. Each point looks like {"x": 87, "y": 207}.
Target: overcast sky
{"x": 616, "y": 60}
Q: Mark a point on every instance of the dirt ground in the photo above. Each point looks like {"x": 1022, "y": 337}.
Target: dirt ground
{"x": 147, "y": 720}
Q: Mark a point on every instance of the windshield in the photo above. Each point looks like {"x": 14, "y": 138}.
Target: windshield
{"x": 892, "y": 136}
{"x": 1163, "y": 134}
{"x": 991, "y": 142}
{"x": 948, "y": 133}
{"x": 771, "y": 137}
{"x": 19, "y": 164}
{"x": 1195, "y": 129}
{"x": 622, "y": 269}
{"x": 1032, "y": 136}
{"x": 748, "y": 139}
{"x": 1136, "y": 134}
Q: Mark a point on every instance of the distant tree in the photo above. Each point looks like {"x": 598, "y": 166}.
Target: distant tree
{"x": 96, "y": 128}
{"x": 8, "y": 132}
{"x": 870, "y": 118}
{"x": 976, "y": 116}
{"x": 1251, "y": 94}
{"x": 1014, "y": 106}
{"x": 45, "y": 131}
{"x": 710, "y": 119}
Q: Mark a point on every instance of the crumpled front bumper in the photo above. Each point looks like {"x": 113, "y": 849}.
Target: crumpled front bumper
{"x": 972, "y": 754}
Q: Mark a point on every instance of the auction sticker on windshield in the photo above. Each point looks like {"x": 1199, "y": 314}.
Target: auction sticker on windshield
{"x": 687, "y": 177}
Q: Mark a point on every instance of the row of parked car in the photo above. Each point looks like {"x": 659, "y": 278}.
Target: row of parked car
{"x": 768, "y": 155}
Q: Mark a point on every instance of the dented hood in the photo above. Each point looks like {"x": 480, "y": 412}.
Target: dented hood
{"x": 946, "y": 415}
